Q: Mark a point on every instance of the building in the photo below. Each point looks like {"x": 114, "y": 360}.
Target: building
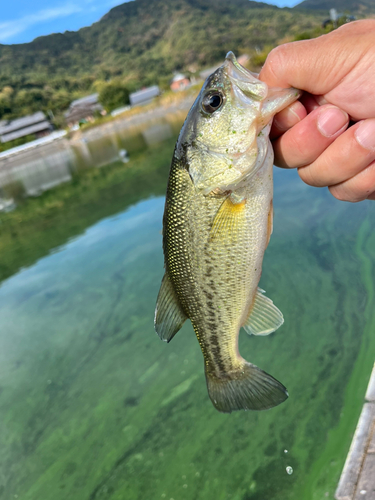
{"x": 144, "y": 96}
{"x": 36, "y": 124}
{"x": 180, "y": 82}
{"x": 83, "y": 109}
{"x": 337, "y": 18}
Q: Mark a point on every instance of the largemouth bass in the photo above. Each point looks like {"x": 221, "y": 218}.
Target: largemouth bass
{"x": 217, "y": 224}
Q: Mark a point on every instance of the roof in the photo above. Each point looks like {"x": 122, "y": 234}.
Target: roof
{"x": 144, "y": 95}
{"x": 20, "y": 123}
{"x": 178, "y": 77}
{"x": 80, "y": 112}
{"x": 32, "y": 129}
{"x": 33, "y": 144}
{"x": 84, "y": 101}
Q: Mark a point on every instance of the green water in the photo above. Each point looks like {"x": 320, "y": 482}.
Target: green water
{"x": 94, "y": 407}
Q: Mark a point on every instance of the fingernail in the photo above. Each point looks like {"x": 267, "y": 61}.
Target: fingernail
{"x": 294, "y": 110}
{"x": 331, "y": 120}
{"x": 288, "y": 116}
{"x": 365, "y": 134}
{"x": 320, "y": 100}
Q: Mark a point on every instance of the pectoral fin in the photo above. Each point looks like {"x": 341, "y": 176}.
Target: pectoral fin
{"x": 264, "y": 316}
{"x": 169, "y": 316}
{"x": 229, "y": 218}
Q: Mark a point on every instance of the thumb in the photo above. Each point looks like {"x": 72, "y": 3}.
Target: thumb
{"x": 319, "y": 65}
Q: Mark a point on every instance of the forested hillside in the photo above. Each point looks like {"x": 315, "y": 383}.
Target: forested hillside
{"x": 358, "y": 7}
{"x": 139, "y": 43}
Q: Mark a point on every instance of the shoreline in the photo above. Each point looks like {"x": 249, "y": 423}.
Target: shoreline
{"x": 357, "y": 480}
{"x": 136, "y": 117}
{"x": 133, "y": 120}
{"x": 59, "y": 151}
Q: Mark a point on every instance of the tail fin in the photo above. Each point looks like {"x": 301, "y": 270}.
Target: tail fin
{"x": 249, "y": 388}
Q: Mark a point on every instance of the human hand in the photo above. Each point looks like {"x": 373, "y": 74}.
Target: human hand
{"x": 337, "y": 73}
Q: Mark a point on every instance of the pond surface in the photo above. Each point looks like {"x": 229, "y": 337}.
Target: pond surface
{"x": 93, "y": 406}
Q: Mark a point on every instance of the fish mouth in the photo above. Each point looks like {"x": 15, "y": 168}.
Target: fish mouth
{"x": 244, "y": 79}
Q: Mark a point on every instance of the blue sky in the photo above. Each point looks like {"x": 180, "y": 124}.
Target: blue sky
{"x": 23, "y": 20}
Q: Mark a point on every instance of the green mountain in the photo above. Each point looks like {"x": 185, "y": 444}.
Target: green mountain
{"x": 140, "y": 42}
{"x": 358, "y": 7}
{"x": 154, "y": 36}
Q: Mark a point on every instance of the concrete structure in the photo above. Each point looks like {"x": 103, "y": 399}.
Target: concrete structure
{"x": 144, "y": 96}
{"x": 357, "y": 480}
{"x": 47, "y": 162}
{"x": 58, "y": 134}
{"x": 119, "y": 111}
{"x": 157, "y": 133}
{"x": 37, "y": 124}
{"x": 35, "y": 167}
{"x": 83, "y": 109}
{"x": 180, "y": 82}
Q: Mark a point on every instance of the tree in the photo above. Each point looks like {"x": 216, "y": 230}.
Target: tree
{"x": 6, "y": 101}
{"x": 113, "y": 95}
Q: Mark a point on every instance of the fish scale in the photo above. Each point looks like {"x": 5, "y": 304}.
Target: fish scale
{"x": 216, "y": 227}
{"x": 216, "y": 290}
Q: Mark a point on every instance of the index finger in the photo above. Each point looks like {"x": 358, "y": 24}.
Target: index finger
{"x": 317, "y": 65}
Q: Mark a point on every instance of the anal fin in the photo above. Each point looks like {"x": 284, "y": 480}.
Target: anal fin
{"x": 264, "y": 317}
{"x": 169, "y": 316}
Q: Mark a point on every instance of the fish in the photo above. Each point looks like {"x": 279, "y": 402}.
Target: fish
{"x": 217, "y": 223}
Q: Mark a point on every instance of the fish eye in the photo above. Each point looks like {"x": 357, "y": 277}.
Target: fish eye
{"x": 212, "y": 101}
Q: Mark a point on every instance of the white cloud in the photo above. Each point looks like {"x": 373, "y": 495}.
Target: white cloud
{"x": 16, "y": 26}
